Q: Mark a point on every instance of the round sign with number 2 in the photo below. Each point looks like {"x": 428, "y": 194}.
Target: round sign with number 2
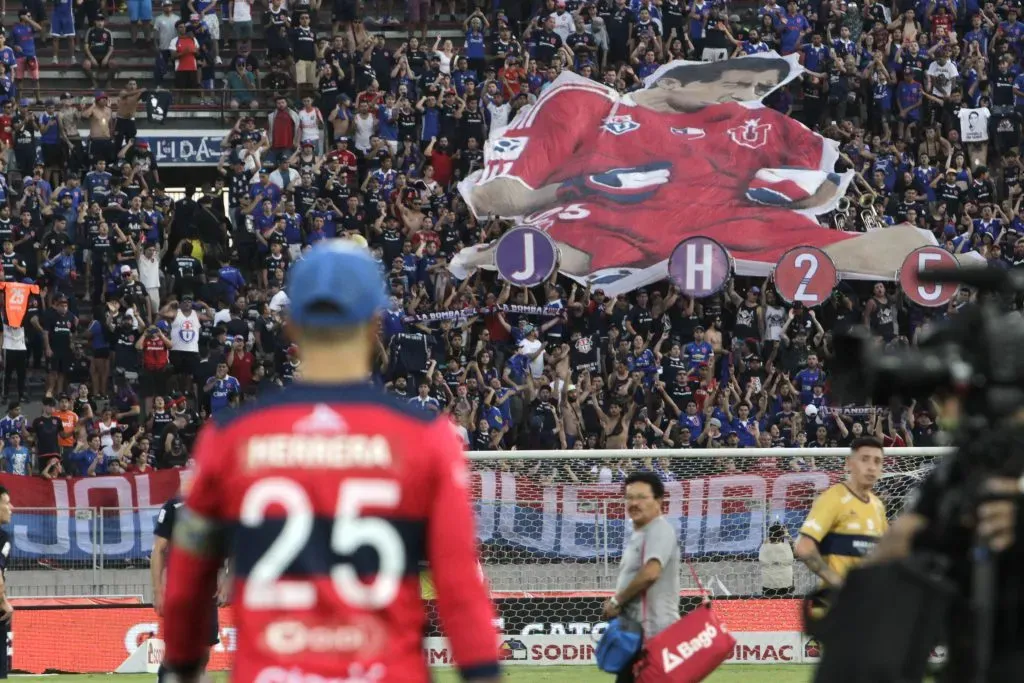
{"x": 805, "y": 275}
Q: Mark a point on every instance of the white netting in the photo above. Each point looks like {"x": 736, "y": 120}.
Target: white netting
{"x": 552, "y": 534}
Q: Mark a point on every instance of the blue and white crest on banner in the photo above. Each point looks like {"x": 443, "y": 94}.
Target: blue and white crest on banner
{"x": 620, "y": 125}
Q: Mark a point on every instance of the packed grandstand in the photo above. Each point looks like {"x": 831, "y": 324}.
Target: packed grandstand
{"x": 144, "y": 280}
{"x": 153, "y": 312}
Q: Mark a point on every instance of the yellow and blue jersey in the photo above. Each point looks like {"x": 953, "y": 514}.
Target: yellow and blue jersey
{"x": 845, "y": 527}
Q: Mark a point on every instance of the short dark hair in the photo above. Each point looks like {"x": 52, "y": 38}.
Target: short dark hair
{"x": 866, "y": 442}
{"x": 649, "y": 478}
{"x": 4, "y": 492}
{"x": 708, "y": 72}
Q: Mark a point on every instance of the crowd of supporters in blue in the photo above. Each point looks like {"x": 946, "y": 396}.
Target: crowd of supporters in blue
{"x": 154, "y": 312}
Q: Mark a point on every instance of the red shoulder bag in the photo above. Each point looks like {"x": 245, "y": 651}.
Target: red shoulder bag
{"x": 688, "y": 650}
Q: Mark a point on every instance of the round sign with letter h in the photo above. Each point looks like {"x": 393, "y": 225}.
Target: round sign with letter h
{"x": 805, "y": 275}
{"x": 699, "y": 266}
{"x": 525, "y": 256}
{"x": 928, "y": 294}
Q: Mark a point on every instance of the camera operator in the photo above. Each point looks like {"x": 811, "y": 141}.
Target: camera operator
{"x": 994, "y": 524}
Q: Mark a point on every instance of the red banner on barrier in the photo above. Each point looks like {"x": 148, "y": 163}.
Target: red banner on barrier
{"x": 126, "y": 491}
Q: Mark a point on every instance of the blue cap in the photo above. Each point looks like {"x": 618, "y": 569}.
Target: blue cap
{"x": 335, "y": 274}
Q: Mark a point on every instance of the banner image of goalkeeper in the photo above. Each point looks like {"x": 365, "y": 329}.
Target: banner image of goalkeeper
{"x": 619, "y": 180}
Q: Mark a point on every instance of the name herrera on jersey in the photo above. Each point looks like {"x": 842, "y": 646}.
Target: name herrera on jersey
{"x": 318, "y": 451}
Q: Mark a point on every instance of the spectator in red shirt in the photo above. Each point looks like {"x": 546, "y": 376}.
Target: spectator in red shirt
{"x": 440, "y": 154}
{"x": 7, "y": 125}
{"x": 284, "y": 131}
{"x": 240, "y": 362}
{"x": 184, "y": 48}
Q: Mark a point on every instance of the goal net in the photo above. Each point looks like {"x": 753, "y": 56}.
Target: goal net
{"x": 552, "y": 530}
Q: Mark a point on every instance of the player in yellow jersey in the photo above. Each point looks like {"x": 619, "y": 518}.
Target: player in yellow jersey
{"x": 847, "y": 520}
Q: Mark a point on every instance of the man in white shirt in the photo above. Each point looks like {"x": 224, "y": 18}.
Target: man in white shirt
{"x": 499, "y": 112}
{"x": 163, "y": 26}
{"x": 533, "y": 349}
{"x": 285, "y": 177}
{"x": 941, "y": 75}
{"x": 279, "y": 302}
{"x": 241, "y": 20}
{"x": 564, "y": 24}
{"x": 149, "y": 274}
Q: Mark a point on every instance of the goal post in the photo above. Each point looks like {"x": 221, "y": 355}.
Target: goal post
{"x": 552, "y": 527}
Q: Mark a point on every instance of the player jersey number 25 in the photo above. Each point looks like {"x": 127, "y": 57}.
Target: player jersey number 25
{"x": 265, "y": 589}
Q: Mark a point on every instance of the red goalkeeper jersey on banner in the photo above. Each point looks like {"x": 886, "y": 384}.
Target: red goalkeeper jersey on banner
{"x": 335, "y": 496}
{"x": 646, "y": 179}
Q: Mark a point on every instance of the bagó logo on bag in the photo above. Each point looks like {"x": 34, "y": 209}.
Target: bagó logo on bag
{"x": 687, "y": 648}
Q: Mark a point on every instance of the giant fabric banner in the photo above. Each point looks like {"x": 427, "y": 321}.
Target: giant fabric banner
{"x": 619, "y": 180}
{"x": 75, "y": 519}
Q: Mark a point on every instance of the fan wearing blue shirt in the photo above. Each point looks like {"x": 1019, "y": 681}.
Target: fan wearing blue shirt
{"x": 808, "y": 377}
{"x": 909, "y": 96}
{"x": 924, "y": 174}
{"x": 221, "y": 388}
{"x": 988, "y": 225}
{"x": 1018, "y": 90}
{"x": 88, "y": 459}
{"x": 842, "y": 45}
{"x": 392, "y": 319}
{"x": 1012, "y": 29}
{"x": 745, "y": 426}
{"x": 97, "y": 182}
{"x": 816, "y": 55}
{"x": 693, "y": 419}
{"x": 642, "y": 360}
{"x": 881, "y": 95}
{"x": 752, "y": 45}
{"x": 23, "y": 35}
{"x": 7, "y": 55}
{"x": 792, "y": 27}
{"x": 231, "y": 277}
{"x": 699, "y": 13}
{"x": 16, "y": 458}
{"x": 698, "y": 351}
{"x": 13, "y": 422}
{"x": 978, "y": 34}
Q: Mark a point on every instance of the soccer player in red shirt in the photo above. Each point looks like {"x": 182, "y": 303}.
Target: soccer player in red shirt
{"x": 333, "y": 494}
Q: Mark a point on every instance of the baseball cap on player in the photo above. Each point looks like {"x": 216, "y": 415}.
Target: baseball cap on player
{"x": 337, "y": 284}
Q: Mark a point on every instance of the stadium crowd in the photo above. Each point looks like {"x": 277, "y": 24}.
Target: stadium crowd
{"x": 148, "y": 314}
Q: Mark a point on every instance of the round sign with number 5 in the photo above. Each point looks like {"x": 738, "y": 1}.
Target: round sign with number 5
{"x": 931, "y": 294}
{"x": 805, "y": 275}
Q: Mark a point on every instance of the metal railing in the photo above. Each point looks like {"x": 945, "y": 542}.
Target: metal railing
{"x": 81, "y": 537}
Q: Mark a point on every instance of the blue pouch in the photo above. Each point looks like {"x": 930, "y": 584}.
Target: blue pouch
{"x": 617, "y": 647}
